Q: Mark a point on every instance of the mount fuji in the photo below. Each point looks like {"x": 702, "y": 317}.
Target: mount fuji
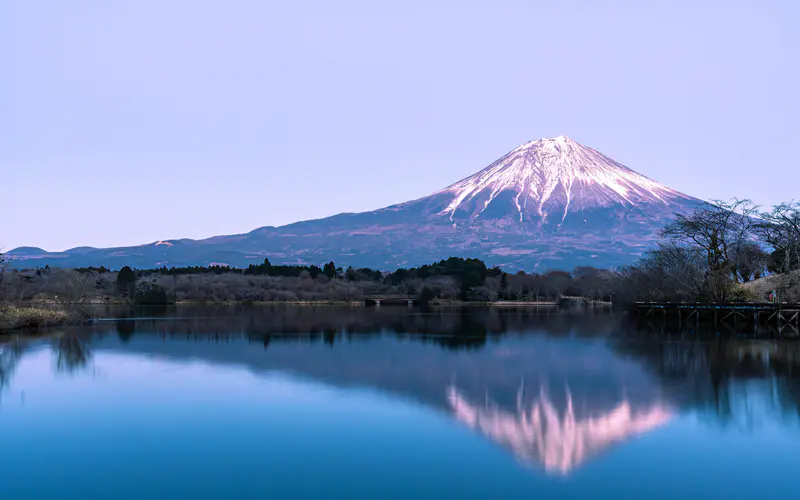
{"x": 547, "y": 204}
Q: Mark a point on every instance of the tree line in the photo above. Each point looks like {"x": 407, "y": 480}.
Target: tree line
{"x": 453, "y": 279}
{"x": 710, "y": 254}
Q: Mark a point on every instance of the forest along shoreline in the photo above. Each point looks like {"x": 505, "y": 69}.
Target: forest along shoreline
{"x": 450, "y": 282}
{"x": 721, "y": 253}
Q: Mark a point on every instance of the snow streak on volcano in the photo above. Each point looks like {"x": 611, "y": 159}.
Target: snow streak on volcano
{"x": 556, "y": 175}
{"x": 547, "y": 204}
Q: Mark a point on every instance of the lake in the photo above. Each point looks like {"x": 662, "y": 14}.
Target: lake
{"x": 329, "y": 402}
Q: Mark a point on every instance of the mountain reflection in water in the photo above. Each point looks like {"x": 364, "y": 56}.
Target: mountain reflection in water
{"x": 594, "y": 381}
{"x": 560, "y": 441}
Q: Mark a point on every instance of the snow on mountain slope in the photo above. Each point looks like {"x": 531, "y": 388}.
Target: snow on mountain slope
{"x": 547, "y": 204}
{"x": 556, "y": 174}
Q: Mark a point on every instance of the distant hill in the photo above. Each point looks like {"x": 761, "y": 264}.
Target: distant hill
{"x": 547, "y": 204}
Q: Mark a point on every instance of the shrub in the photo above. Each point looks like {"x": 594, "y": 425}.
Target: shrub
{"x": 12, "y": 317}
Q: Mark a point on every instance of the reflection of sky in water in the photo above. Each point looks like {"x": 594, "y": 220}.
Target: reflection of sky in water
{"x": 161, "y": 418}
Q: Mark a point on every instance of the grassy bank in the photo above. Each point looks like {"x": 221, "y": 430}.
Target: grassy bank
{"x": 13, "y": 317}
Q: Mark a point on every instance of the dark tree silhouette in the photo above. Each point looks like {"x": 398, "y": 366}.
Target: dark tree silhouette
{"x": 126, "y": 281}
{"x": 329, "y": 270}
{"x": 718, "y": 228}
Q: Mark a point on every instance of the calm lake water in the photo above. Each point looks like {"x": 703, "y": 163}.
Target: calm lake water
{"x": 324, "y": 402}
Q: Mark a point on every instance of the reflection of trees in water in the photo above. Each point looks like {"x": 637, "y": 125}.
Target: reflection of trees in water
{"x": 721, "y": 377}
{"x": 72, "y": 353}
{"x": 10, "y": 354}
{"x": 739, "y": 382}
{"x": 452, "y": 328}
{"x": 126, "y": 329}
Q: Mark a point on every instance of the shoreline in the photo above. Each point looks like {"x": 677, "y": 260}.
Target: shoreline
{"x": 32, "y": 317}
{"x": 47, "y": 314}
{"x": 353, "y": 303}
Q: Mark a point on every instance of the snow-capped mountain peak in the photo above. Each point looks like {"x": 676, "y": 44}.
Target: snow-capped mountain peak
{"x": 547, "y": 204}
{"x": 554, "y": 175}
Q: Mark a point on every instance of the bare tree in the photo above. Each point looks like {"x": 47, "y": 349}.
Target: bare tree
{"x": 535, "y": 284}
{"x": 670, "y": 272}
{"x": 556, "y": 282}
{"x": 749, "y": 261}
{"x": 719, "y": 229}
{"x": 71, "y": 288}
{"x": 593, "y": 283}
{"x": 780, "y": 229}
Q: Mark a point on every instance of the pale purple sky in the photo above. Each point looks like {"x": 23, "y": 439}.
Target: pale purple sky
{"x": 126, "y": 122}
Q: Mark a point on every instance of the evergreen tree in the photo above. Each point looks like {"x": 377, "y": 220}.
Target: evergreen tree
{"x": 329, "y": 270}
{"x": 126, "y": 281}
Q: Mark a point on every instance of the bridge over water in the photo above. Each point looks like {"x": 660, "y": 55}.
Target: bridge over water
{"x": 780, "y": 318}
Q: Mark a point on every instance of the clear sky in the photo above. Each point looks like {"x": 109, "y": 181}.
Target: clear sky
{"x": 124, "y": 122}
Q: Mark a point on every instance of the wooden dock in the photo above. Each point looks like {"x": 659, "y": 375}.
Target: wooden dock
{"x": 781, "y": 318}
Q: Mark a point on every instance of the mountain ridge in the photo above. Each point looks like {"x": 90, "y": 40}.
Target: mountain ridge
{"x": 549, "y": 203}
